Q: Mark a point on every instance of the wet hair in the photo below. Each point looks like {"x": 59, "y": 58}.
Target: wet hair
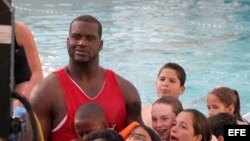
{"x": 90, "y": 19}
{"x": 105, "y": 134}
{"x": 217, "y": 122}
{"x": 179, "y": 70}
{"x": 91, "y": 110}
{"x": 200, "y": 124}
{"x": 229, "y": 97}
{"x": 170, "y": 100}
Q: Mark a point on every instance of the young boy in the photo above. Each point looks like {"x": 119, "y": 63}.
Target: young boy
{"x": 217, "y": 123}
{"x": 105, "y": 135}
{"x": 89, "y": 117}
{"x": 170, "y": 82}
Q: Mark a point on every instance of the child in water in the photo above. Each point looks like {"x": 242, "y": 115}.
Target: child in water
{"x": 225, "y": 99}
{"x": 170, "y": 82}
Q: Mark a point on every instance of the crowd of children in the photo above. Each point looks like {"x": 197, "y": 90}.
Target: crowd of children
{"x": 169, "y": 121}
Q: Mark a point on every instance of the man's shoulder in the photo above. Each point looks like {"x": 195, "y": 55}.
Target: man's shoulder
{"x": 49, "y": 81}
{"x": 47, "y": 88}
{"x": 54, "y": 74}
{"x": 127, "y": 88}
{"x": 118, "y": 77}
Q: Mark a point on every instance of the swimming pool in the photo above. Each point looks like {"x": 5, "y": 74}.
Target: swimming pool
{"x": 210, "y": 39}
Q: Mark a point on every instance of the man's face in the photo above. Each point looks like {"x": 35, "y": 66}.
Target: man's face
{"x": 84, "y": 42}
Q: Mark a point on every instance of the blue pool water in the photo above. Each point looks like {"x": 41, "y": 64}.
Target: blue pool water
{"x": 210, "y": 39}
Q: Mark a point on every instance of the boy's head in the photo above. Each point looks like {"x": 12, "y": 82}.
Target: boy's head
{"x": 171, "y": 80}
{"x": 104, "y": 135}
{"x": 89, "y": 117}
{"x": 218, "y": 121}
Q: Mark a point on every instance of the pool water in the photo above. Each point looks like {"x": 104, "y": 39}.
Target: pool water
{"x": 210, "y": 39}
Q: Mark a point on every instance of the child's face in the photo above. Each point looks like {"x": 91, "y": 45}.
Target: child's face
{"x": 139, "y": 134}
{"x": 182, "y": 129}
{"x": 168, "y": 84}
{"x": 215, "y": 106}
{"x": 85, "y": 126}
{"x": 162, "y": 119}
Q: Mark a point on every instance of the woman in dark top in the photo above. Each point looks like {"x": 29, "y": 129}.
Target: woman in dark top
{"x": 27, "y": 66}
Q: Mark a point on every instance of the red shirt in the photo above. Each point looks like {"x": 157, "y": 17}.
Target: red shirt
{"x": 110, "y": 98}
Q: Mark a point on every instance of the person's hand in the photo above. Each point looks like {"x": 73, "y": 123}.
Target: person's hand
{"x": 17, "y": 103}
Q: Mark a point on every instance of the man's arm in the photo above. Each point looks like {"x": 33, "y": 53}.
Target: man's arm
{"x": 41, "y": 100}
{"x": 132, "y": 100}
